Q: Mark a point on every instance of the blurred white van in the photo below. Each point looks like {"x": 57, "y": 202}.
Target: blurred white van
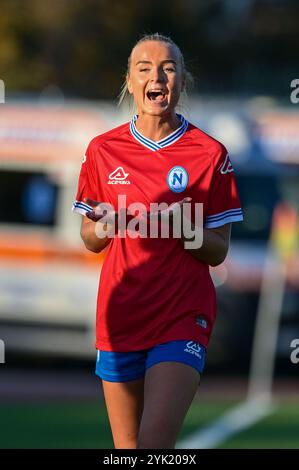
{"x": 48, "y": 280}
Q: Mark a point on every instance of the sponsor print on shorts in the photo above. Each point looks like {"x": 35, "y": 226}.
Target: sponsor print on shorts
{"x": 193, "y": 348}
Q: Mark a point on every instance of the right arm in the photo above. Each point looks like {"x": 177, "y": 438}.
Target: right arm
{"x": 88, "y": 234}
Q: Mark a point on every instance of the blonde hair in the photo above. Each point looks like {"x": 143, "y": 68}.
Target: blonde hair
{"x": 126, "y": 99}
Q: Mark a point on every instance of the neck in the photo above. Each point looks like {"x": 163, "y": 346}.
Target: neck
{"x": 157, "y": 127}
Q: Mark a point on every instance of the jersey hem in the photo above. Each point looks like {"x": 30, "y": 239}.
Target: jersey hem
{"x": 104, "y": 346}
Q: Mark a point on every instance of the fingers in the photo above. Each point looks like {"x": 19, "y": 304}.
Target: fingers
{"x": 91, "y": 202}
{"x": 93, "y": 216}
{"x": 176, "y": 207}
{"x": 106, "y": 216}
{"x": 171, "y": 210}
{"x": 186, "y": 199}
{"x": 100, "y": 210}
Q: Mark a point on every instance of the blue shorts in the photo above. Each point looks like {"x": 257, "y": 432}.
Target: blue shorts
{"x": 124, "y": 366}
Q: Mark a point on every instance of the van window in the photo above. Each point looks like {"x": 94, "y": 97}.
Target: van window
{"x": 27, "y": 197}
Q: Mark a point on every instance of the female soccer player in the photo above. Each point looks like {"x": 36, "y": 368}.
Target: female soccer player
{"x": 156, "y": 302}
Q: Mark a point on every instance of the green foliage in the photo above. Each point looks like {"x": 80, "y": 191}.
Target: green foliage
{"x": 82, "y": 46}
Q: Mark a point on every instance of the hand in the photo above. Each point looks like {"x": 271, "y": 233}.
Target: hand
{"x": 170, "y": 213}
{"x": 100, "y": 210}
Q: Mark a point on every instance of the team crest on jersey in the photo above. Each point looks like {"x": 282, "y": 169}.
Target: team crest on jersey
{"x": 118, "y": 176}
{"x": 227, "y": 166}
{"x": 177, "y": 179}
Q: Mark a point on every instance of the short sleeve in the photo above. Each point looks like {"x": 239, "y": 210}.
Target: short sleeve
{"x": 223, "y": 200}
{"x": 86, "y": 184}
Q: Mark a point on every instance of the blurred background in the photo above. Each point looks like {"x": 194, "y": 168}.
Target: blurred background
{"x": 63, "y": 64}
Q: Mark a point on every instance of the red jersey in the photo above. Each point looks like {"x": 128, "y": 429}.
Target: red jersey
{"x": 152, "y": 290}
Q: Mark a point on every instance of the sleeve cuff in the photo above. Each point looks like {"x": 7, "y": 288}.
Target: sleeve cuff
{"x": 81, "y": 208}
{"x": 222, "y": 218}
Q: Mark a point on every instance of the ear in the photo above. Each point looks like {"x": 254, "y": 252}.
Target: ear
{"x": 129, "y": 84}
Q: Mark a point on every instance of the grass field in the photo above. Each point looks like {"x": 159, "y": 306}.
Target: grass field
{"x": 84, "y": 424}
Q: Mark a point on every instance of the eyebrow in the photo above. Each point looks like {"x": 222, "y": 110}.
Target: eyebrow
{"x": 149, "y": 62}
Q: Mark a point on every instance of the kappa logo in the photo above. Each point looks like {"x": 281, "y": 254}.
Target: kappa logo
{"x": 118, "y": 176}
{"x": 227, "y": 166}
{"x": 193, "y": 348}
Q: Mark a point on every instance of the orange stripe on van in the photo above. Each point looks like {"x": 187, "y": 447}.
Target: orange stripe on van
{"x": 43, "y": 250}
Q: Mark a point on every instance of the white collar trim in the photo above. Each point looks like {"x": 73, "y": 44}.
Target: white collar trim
{"x": 166, "y": 141}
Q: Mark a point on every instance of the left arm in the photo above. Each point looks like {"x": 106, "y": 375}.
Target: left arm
{"x": 215, "y": 245}
{"x": 215, "y": 241}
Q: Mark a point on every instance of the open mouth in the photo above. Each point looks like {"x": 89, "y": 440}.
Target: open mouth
{"x": 156, "y": 96}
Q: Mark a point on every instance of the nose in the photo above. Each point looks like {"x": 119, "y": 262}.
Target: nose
{"x": 157, "y": 75}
